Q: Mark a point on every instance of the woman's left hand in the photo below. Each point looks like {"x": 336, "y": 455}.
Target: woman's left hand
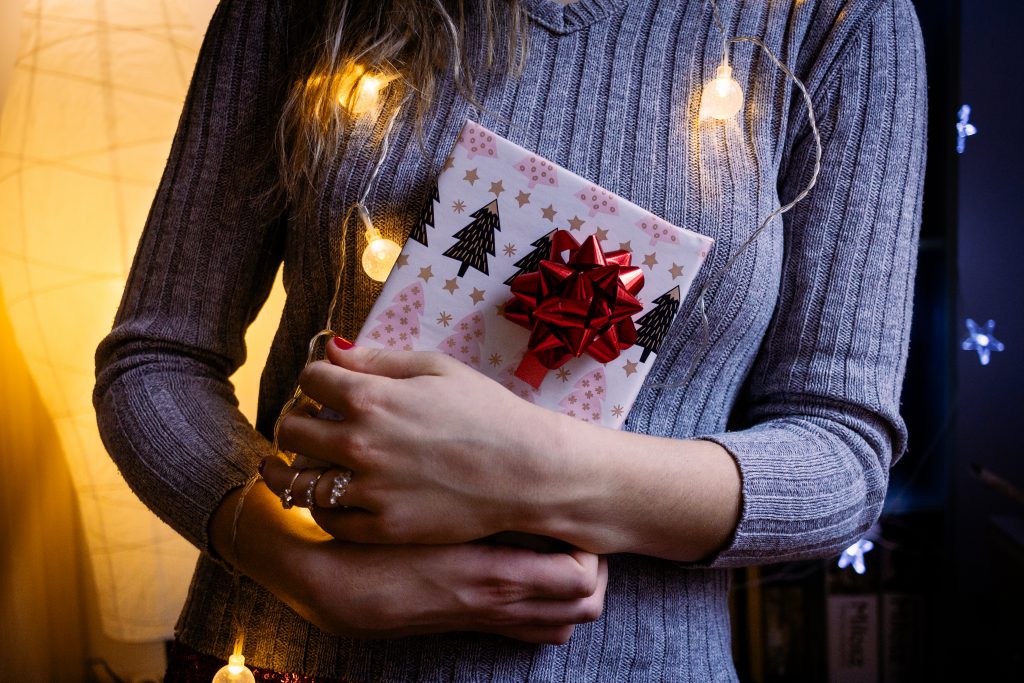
{"x": 438, "y": 452}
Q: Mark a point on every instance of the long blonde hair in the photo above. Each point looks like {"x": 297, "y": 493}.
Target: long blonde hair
{"x": 416, "y": 41}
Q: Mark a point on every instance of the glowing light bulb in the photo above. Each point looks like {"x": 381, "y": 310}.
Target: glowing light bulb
{"x": 360, "y": 89}
{"x": 980, "y": 338}
{"x": 234, "y": 672}
{"x": 854, "y": 555}
{"x": 722, "y": 96}
{"x": 380, "y": 255}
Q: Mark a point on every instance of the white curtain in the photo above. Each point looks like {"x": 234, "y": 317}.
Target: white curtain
{"x": 92, "y": 103}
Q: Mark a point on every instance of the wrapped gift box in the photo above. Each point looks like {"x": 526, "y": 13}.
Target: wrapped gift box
{"x": 493, "y": 217}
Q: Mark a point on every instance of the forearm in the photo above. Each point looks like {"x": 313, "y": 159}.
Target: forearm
{"x": 610, "y": 492}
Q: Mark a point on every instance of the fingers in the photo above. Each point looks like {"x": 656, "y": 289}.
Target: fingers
{"x": 394, "y": 364}
{"x": 319, "y": 483}
{"x": 540, "y": 635}
{"x": 322, "y": 439}
{"x": 557, "y": 576}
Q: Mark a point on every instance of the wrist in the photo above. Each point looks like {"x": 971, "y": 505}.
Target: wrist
{"x": 565, "y": 482}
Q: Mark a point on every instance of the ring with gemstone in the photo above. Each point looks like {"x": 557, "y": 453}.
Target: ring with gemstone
{"x": 287, "y": 499}
{"x": 339, "y": 486}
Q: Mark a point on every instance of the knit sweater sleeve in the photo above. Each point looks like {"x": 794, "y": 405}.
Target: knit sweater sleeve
{"x": 205, "y": 264}
{"x": 821, "y": 404}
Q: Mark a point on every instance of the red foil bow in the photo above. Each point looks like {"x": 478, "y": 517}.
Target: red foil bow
{"x": 581, "y": 304}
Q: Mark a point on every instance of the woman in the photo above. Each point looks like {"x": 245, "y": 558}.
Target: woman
{"x": 808, "y": 338}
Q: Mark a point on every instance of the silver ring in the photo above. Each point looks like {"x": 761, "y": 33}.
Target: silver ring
{"x": 287, "y": 499}
{"x": 311, "y": 490}
{"x": 339, "y": 486}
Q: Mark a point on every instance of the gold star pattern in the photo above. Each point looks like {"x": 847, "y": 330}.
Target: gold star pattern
{"x": 651, "y": 260}
{"x": 477, "y": 296}
{"x": 458, "y": 206}
{"x": 494, "y": 360}
{"x": 497, "y": 188}
{"x": 564, "y": 374}
{"x": 617, "y": 411}
{"x": 448, "y": 163}
{"x": 426, "y": 273}
{"x": 445, "y": 319}
{"x": 500, "y": 308}
{"x": 403, "y": 260}
{"x": 523, "y": 198}
{"x": 575, "y": 223}
{"x": 676, "y": 270}
{"x": 549, "y": 213}
{"x": 629, "y": 367}
{"x": 471, "y": 176}
{"x": 509, "y": 249}
{"x": 601, "y": 234}
{"x": 626, "y": 246}
{"x": 451, "y": 285}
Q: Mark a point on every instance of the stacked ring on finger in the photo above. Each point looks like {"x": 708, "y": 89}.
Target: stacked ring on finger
{"x": 339, "y": 486}
{"x": 311, "y": 489}
{"x": 287, "y": 499}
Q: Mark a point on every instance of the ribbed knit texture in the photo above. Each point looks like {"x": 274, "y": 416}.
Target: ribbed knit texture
{"x": 808, "y": 331}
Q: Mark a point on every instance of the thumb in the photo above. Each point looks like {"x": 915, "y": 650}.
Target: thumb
{"x": 383, "y": 362}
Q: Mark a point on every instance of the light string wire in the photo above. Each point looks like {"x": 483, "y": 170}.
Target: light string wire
{"x": 816, "y": 172}
{"x": 236, "y": 575}
{"x": 358, "y": 208}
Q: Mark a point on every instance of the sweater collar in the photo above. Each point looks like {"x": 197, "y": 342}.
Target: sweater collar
{"x": 563, "y": 19}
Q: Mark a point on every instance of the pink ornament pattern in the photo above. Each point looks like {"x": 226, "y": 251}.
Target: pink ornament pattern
{"x": 538, "y": 171}
{"x": 599, "y": 201}
{"x": 586, "y": 399}
{"x": 399, "y": 323}
{"x": 464, "y": 344}
{"x": 659, "y": 230}
{"x": 478, "y": 140}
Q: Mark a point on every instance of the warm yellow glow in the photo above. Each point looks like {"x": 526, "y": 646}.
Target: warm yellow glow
{"x": 359, "y": 89}
{"x": 722, "y": 97}
{"x": 380, "y": 255}
{"x": 84, "y": 137}
{"x": 234, "y": 672}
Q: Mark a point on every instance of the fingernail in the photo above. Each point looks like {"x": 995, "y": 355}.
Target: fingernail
{"x": 263, "y": 463}
{"x": 343, "y": 344}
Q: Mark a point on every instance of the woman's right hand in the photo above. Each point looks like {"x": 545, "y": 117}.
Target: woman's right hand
{"x": 381, "y": 591}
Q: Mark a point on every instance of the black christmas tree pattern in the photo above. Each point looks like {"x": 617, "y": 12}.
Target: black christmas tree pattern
{"x": 653, "y": 325}
{"x": 531, "y": 261}
{"x": 399, "y": 323}
{"x": 584, "y": 402}
{"x": 476, "y": 240}
{"x": 426, "y": 220}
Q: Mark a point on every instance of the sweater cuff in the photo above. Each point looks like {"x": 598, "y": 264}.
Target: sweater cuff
{"x": 807, "y": 492}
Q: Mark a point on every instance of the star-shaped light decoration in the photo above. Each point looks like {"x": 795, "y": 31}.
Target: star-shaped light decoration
{"x": 980, "y": 339}
{"x": 964, "y": 129}
{"x": 854, "y": 555}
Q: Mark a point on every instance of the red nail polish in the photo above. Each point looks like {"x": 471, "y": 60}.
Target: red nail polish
{"x": 343, "y": 344}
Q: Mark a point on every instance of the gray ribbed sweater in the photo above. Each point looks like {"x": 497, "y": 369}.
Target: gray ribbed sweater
{"x": 808, "y": 330}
